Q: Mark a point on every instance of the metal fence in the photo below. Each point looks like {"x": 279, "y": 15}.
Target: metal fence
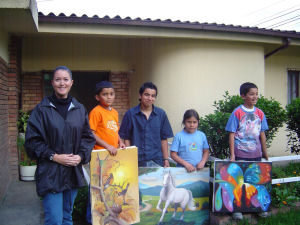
{"x": 293, "y": 158}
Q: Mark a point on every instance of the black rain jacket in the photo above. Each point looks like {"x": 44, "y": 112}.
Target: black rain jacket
{"x": 48, "y": 133}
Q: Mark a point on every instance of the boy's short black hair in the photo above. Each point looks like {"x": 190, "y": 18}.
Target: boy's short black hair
{"x": 147, "y": 85}
{"x": 103, "y": 84}
{"x": 245, "y": 88}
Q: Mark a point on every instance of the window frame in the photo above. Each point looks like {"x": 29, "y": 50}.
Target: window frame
{"x": 293, "y": 83}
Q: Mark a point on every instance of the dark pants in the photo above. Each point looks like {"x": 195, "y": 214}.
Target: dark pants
{"x": 88, "y": 208}
{"x": 151, "y": 163}
{"x": 246, "y": 159}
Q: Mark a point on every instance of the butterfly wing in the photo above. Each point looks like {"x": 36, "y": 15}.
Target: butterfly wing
{"x": 251, "y": 191}
{"x": 252, "y": 174}
{"x": 232, "y": 173}
{"x": 224, "y": 195}
{"x": 263, "y": 197}
{"x": 258, "y": 173}
{"x": 227, "y": 196}
{"x": 218, "y": 199}
{"x": 265, "y": 169}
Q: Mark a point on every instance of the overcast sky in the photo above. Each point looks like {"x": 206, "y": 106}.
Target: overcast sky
{"x": 271, "y": 14}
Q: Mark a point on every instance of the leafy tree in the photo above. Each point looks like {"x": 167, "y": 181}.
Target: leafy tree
{"x": 213, "y": 125}
{"x": 293, "y": 125}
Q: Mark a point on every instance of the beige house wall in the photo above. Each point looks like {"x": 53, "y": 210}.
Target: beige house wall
{"x": 76, "y": 52}
{"x": 276, "y": 68}
{"x": 4, "y": 45}
{"x": 189, "y": 73}
{"x": 194, "y": 73}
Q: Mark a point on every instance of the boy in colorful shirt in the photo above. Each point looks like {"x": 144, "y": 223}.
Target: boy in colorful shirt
{"x": 104, "y": 121}
{"x": 247, "y": 125}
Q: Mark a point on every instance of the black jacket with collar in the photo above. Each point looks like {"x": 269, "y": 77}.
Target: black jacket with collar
{"x": 48, "y": 133}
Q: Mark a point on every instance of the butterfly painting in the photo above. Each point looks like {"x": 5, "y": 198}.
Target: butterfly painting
{"x": 242, "y": 186}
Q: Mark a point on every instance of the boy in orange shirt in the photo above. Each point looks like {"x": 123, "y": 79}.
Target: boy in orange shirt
{"x": 104, "y": 121}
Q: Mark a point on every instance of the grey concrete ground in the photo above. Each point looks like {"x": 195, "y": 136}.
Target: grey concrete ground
{"x": 21, "y": 205}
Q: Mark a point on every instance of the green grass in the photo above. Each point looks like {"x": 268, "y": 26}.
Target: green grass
{"x": 291, "y": 217}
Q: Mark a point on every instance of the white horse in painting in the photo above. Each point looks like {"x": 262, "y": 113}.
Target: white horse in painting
{"x": 178, "y": 196}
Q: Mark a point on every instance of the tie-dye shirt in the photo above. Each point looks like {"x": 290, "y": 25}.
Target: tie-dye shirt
{"x": 247, "y": 125}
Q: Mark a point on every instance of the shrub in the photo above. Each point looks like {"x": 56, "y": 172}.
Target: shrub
{"x": 293, "y": 125}
{"x": 80, "y": 204}
{"x": 285, "y": 194}
{"x": 291, "y": 170}
{"x": 275, "y": 114}
{"x": 22, "y": 121}
{"x": 229, "y": 103}
{"x": 213, "y": 125}
{"x": 24, "y": 159}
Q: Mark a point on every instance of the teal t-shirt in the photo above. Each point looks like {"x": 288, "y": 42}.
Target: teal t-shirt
{"x": 190, "y": 147}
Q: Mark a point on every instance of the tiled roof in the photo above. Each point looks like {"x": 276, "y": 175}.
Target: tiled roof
{"x": 138, "y": 22}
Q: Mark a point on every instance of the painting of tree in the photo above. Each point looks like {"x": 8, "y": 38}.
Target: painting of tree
{"x": 114, "y": 187}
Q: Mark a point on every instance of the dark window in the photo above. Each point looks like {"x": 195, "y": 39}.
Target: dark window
{"x": 83, "y": 86}
{"x": 293, "y": 84}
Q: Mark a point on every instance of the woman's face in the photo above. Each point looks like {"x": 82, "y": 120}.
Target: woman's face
{"x": 62, "y": 83}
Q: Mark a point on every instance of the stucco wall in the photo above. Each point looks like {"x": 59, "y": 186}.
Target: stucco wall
{"x": 276, "y": 67}
{"x": 194, "y": 73}
{"x": 78, "y": 53}
{"x": 4, "y": 45}
{"x": 188, "y": 73}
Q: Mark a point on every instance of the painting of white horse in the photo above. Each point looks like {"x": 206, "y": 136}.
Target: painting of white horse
{"x": 169, "y": 194}
{"x": 172, "y": 196}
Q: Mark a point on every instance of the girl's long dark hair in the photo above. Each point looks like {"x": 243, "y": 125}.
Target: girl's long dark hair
{"x": 190, "y": 113}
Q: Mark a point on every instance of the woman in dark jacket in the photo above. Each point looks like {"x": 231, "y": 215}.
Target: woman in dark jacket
{"x": 58, "y": 135}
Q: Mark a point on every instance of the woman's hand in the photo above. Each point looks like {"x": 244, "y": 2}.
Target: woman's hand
{"x": 67, "y": 159}
{"x": 76, "y": 159}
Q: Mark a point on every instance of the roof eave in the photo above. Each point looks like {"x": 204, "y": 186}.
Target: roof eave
{"x": 213, "y": 27}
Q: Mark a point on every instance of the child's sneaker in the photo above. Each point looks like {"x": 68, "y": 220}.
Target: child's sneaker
{"x": 263, "y": 214}
{"x": 237, "y": 216}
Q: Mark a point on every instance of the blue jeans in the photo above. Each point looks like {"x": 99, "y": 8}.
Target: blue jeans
{"x": 58, "y": 207}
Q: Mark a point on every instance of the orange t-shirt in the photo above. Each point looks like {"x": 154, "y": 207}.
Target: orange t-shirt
{"x": 104, "y": 123}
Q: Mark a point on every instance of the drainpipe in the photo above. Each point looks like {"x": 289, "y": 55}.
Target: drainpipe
{"x": 286, "y": 42}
